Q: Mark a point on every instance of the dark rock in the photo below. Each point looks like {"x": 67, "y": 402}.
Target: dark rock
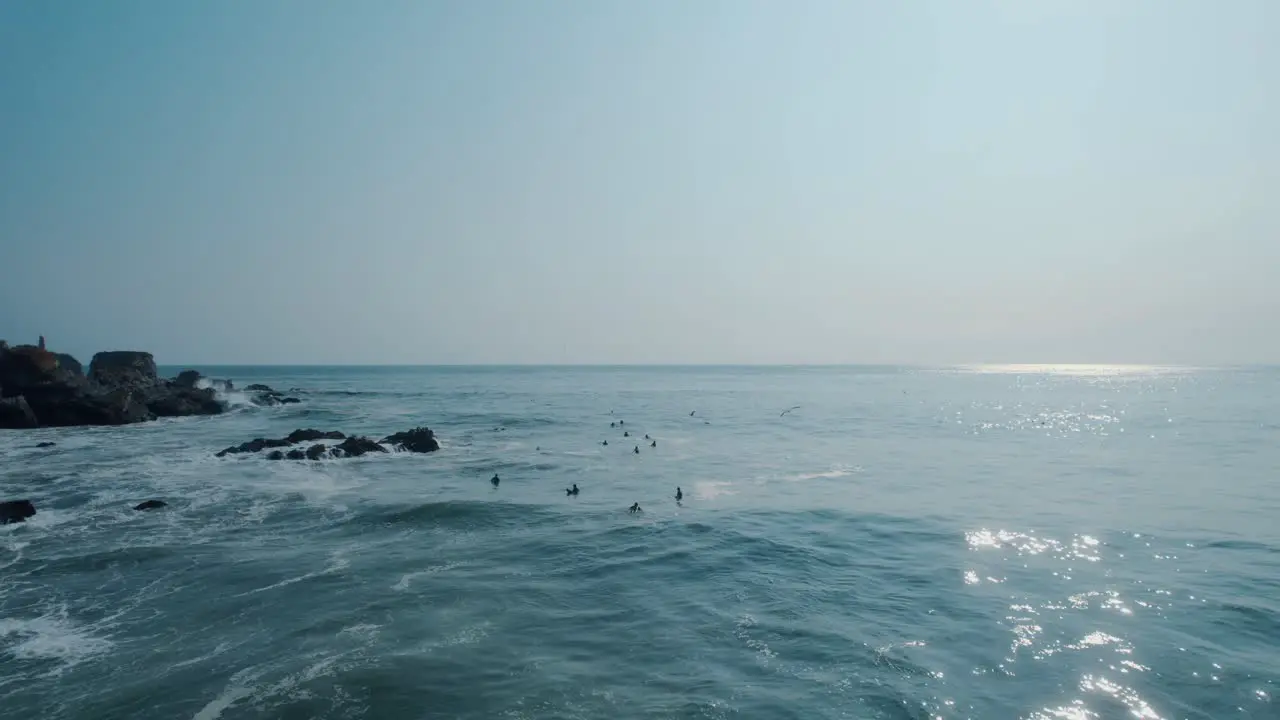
{"x": 297, "y": 436}
{"x": 420, "y": 440}
{"x": 14, "y": 511}
{"x": 122, "y": 388}
{"x": 173, "y": 400}
{"x": 123, "y": 368}
{"x": 255, "y": 445}
{"x": 25, "y": 367}
{"x": 309, "y": 435}
{"x": 275, "y": 455}
{"x": 69, "y": 364}
{"x": 66, "y": 405}
{"x": 46, "y": 444}
{"x": 315, "y": 452}
{"x": 16, "y": 414}
{"x": 296, "y": 454}
{"x": 264, "y": 396}
{"x": 187, "y": 379}
{"x": 357, "y": 446}
{"x": 151, "y": 505}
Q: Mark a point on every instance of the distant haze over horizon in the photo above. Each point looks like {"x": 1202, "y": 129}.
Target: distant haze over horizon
{"x": 603, "y": 182}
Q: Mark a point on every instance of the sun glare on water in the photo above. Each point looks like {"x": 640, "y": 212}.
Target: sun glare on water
{"x": 1069, "y": 369}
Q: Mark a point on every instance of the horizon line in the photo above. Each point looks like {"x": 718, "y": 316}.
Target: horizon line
{"x": 1009, "y": 365}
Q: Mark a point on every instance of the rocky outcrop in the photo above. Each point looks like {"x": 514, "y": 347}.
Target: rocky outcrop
{"x": 70, "y": 364}
{"x": 123, "y": 369}
{"x": 420, "y": 440}
{"x": 357, "y": 446}
{"x": 253, "y": 446}
{"x": 15, "y": 413}
{"x": 175, "y": 401}
{"x": 309, "y": 434}
{"x": 293, "y": 438}
{"x": 264, "y": 395}
{"x": 187, "y": 379}
{"x": 15, "y": 511}
{"x": 121, "y": 388}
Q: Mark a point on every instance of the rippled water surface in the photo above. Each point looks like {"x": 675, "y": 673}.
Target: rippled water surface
{"x": 985, "y": 542}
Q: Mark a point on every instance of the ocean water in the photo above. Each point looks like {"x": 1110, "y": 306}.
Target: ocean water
{"x": 990, "y": 542}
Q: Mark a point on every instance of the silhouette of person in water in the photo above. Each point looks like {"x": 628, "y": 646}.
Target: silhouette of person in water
{"x": 653, "y": 444}
{"x": 572, "y": 491}
{"x": 494, "y": 480}
{"x": 613, "y": 424}
{"x": 637, "y": 450}
{"x": 606, "y": 442}
{"x": 626, "y": 434}
{"x": 646, "y": 436}
{"x": 679, "y": 494}
{"x": 621, "y": 423}
{"x": 635, "y": 508}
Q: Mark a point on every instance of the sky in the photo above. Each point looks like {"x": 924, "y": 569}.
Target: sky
{"x": 595, "y": 181}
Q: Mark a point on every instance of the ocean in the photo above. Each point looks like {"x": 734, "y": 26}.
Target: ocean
{"x": 1067, "y": 543}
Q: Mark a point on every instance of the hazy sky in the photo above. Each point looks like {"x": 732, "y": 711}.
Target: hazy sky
{"x": 588, "y": 181}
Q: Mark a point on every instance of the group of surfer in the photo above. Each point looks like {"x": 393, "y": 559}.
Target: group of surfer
{"x": 574, "y": 491}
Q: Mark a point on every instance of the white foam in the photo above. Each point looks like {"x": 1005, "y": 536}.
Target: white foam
{"x": 827, "y": 474}
{"x": 708, "y": 489}
{"x": 52, "y": 637}
{"x": 222, "y": 647}
{"x": 337, "y": 563}
{"x": 405, "y": 579}
{"x": 235, "y": 690}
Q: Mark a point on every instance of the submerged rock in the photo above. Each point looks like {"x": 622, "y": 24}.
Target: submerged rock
{"x": 293, "y": 438}
{"x": 309, "y": 435}
{"x": 15, "y": 511}
{"x": 357, "y": 446}
{"x": 151, "y": 505}
{"x": 258, "y": 387}
{"x": 255, "y": 445}
{"x": 420, "y": 440}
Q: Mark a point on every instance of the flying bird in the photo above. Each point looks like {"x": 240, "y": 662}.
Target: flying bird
{"x": 784, "y": 412}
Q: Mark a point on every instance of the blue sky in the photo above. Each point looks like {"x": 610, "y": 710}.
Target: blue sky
{"x": 591, "y": 181}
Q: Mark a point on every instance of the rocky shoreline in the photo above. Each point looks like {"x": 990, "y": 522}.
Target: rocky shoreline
{"x": 39, "y": 388}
